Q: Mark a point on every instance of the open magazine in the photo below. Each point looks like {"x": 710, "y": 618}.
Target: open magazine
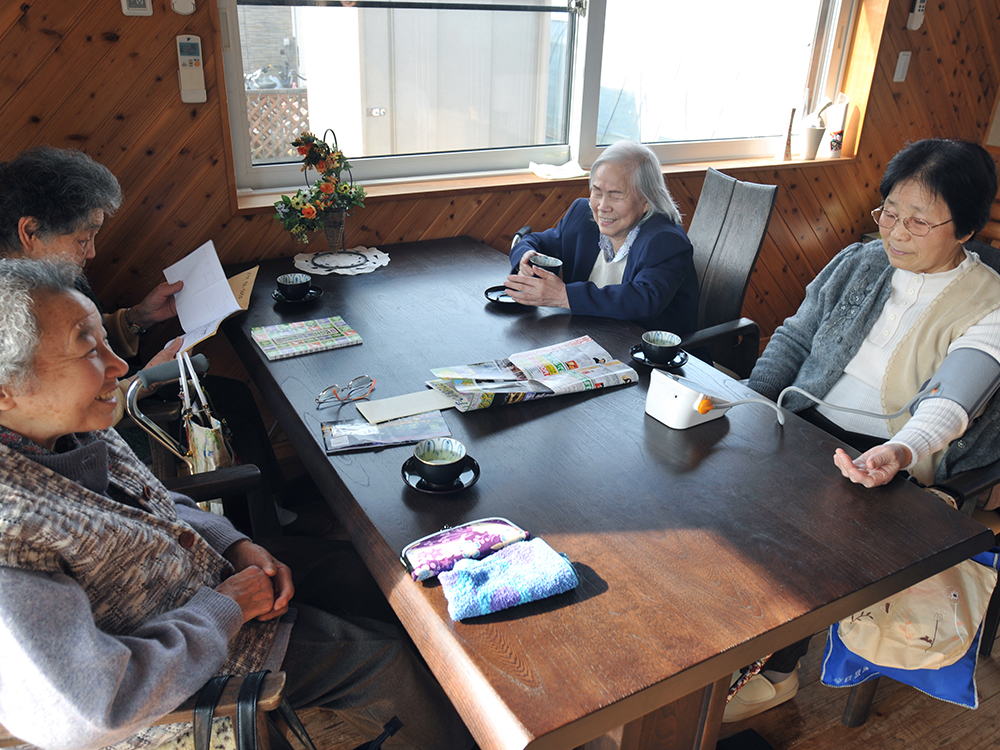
{"x": 569, "y": 367}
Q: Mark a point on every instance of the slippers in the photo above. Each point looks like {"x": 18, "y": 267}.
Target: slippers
{"x": 758, "y": 695}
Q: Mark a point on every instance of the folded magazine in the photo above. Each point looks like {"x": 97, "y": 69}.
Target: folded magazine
{"x": 569, "y": 367}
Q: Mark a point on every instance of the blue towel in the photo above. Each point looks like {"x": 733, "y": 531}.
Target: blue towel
{"x": 519, "y": 573}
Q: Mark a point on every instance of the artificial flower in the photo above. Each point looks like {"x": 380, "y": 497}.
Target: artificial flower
{"x": 331, "y": 195}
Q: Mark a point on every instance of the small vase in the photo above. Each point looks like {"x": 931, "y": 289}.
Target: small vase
{"x": 334, "y": 226}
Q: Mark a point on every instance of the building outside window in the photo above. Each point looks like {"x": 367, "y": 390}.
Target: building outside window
{"x": 416, "y": 89}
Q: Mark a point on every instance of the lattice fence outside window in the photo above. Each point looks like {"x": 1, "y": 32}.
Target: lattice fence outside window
{"x": 276, "y": 117}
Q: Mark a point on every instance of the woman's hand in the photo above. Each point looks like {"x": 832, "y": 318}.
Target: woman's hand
{"x": 524, "y": 268}
{"x": 159, "y": 305}
{"x": 536, "y": 287}
{"x": 247, "y": 556}
{"x": 250, "y": 588}
{"x": 875, "y": 467}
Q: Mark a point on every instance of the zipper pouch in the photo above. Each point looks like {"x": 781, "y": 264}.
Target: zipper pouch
{"x": 437, "y": 552}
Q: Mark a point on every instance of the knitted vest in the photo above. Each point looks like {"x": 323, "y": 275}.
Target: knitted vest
{"x": 963, "y": 303}
{"x": 133, "y": 562}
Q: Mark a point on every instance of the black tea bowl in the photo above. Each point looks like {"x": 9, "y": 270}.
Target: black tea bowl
{"x": 660, "y": 347}
{"x": 294, "y": 286}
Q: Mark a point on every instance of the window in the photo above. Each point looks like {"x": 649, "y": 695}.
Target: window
{"x": 414, "y": 88}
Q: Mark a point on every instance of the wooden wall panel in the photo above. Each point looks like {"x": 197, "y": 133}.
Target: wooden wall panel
{"x": 83, "y": 75}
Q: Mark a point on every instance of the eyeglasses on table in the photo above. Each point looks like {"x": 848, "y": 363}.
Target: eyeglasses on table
{"x": 359, "y": 388}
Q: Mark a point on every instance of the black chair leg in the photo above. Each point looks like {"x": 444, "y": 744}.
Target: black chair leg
{"x": 990, "y": 624}
{"x": 859, "y": 702}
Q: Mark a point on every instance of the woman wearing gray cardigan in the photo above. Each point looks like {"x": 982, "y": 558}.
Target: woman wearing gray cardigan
{"x": 879, "y": 323}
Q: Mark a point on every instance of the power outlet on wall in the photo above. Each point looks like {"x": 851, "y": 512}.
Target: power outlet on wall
{"x": 137, "y": 7}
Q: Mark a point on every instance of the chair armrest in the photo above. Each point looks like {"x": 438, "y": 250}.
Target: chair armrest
{"x": 520, "y": 234}
{"x": 973, "y": 482}
{"x": 271, "y": 693}
{"x": 718, "y": 340}
{"x": 741, "y": 327}
{"x": 234, "y": 480}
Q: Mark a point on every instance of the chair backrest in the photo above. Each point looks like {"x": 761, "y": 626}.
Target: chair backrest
{"x": 987, "y": 253}
{"x": 727, "y": 232}
{"x": 709, "y": 214}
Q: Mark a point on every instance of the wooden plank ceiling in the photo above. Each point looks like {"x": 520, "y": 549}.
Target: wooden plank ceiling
{"x": 83, "y": 75}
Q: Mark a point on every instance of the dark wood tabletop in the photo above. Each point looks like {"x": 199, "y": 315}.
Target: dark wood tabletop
{"x": 698, "y": 551}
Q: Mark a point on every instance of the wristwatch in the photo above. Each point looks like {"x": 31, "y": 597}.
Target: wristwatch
{"x": 134, "y": 329}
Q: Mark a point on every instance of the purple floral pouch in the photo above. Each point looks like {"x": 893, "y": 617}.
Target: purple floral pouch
{"x": 437, "y": 552}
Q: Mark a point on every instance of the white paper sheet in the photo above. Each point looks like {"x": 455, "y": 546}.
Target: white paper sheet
{"x": 207, "y": 297}
{"x": 403, "y": 406}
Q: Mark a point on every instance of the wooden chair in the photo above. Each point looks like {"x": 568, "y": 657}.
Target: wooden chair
{"x": 269, "y": 699}
{"x": 727, "y": 232}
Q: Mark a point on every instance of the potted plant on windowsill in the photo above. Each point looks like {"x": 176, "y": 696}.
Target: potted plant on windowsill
{"x": 324, "y": 204}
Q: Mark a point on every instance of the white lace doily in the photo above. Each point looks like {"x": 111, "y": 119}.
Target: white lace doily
{"x": 348, "y": 262}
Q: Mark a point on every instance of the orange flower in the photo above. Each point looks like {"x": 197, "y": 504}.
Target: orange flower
{"x": 308, "y": 211}
{"x": 303, "y": 150}
{"x": 327, "y": 187}
{"x": 321, "y": 166}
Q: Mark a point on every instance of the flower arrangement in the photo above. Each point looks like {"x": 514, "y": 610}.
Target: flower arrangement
{"x": 326, "y": 201}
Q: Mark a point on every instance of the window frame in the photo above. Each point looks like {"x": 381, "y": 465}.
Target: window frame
{"x": 585, "y": 65}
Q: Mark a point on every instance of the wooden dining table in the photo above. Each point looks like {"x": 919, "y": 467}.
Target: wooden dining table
{"x": 698, "y": 550}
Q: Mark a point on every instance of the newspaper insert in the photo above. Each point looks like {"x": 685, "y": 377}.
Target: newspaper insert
{"x": 569, "y": 367}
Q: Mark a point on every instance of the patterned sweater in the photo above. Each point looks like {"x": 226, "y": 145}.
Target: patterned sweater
{"x": 108, "y": 613}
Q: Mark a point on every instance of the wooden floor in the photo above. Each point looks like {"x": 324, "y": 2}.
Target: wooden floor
{"x": 901, "y": 717}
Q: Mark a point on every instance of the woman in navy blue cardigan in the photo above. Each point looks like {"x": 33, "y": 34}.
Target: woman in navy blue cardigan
{"x": 625, "y": 254}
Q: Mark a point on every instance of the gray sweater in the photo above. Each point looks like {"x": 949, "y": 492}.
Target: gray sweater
{"x": 812, "y": 348}
{"x": 75, "y": 672}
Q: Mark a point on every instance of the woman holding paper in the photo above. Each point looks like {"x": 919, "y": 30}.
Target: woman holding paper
{"x": 53, "y": 202}
{"x": 625, "y": 254}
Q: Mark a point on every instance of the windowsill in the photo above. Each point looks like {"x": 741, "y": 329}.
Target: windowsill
{"x": 379, "y": 192}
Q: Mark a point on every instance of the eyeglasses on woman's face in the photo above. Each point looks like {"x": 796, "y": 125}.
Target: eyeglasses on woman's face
{"x": 886, "y": 218}
{"x": 359, "y": 388}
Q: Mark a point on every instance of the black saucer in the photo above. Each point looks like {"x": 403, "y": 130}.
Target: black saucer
{"x": 465, "y": 480}
{"x": 314, "y": 293}
{"x": 679, "y": 361}
{"x": 499, "y": 294}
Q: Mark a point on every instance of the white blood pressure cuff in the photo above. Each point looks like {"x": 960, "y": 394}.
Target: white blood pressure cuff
{"x": 969, "y": 377}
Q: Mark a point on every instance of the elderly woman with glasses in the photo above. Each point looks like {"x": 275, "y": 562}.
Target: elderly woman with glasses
{"x": 624, "y": 253}
{"x": 119, "y": 599}
{"x": 879, "y": 323}
{"x": 53, "y": 203}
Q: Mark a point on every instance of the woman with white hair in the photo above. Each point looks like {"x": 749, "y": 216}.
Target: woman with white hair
{"x": 625, "y": 254}
{"x": 119, "y": 599}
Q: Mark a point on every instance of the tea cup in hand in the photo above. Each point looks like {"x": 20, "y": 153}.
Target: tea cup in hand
{"x": 546, "y": 262}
